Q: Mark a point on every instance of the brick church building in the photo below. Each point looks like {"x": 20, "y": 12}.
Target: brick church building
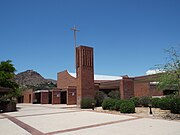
{"x": 84, "y": 84}
{"x": 71, "y": 89}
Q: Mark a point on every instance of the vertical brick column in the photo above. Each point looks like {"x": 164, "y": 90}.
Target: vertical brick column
{"x": 85, "y": 73}
{"x": 44, "y": 97}
{"x": 55, "y": 97}
{"x": 71, "y": 96}
{"x": 127, "y": 88}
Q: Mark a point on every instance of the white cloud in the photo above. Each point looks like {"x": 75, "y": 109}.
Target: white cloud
{"x": 155, "y": 71}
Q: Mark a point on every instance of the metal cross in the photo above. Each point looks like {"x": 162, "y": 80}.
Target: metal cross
{"x": 75, "y": 30}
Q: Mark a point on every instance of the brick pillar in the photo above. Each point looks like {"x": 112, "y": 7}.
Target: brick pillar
{"x": 44, "y": 97}
{"x": 85, "y": 73}
{"x": 55, "y": 97}
{"x": 127, "y": 88}
{"x": 71, "y": 93}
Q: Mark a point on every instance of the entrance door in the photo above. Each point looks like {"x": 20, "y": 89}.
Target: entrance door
{"x": 50, "y": 98}
{"x": 63, "y": 97}
{"x": 29, "y": 98}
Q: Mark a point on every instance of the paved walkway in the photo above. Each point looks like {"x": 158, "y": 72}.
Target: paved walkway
{"x": 68, "y": 120}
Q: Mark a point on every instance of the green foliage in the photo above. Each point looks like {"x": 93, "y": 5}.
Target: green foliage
{"x": 155, "y": 102}
{"x": 144, "y": 101}
{"x": 7, "y": 74}
{"x": 136, "y": 101}
{"x": 118, "y": 104}
{"x": 44, "y": 86}
{"x": 114, "y": 94}
{"x": 165, "y": 103}
{"x": 99, "y": 97}
{"x": 87, "y": 103}
{"x": 175, "y": 105}
{"x": 6, "y": 80}
{"x": 170, "y": 78}
{"x": 109, "y": 104}
{"x": 127, "y": 106}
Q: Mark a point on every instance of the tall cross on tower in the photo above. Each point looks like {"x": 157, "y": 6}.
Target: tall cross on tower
{"x": 75, "y": 30}
{"x": 75, "y": 45}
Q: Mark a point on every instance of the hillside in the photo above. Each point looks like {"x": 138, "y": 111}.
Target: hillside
{"x": 33, "y": 79}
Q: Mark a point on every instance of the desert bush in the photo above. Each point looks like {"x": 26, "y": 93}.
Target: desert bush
{"x": 127, "y": 106}
{"x": 87, "y": 103}
{"x": 114, "y": 94}
{"x": 118, "y": 104}
{"x": 144, "y": 101}
{"x": 109, "y": 104}
{"x": 175, "y": 105}
{"x": 165, "y": 103}
{"x": 99, "y": 97}
{"x": 136, "y": 101}
{"x": 155, "y": 102}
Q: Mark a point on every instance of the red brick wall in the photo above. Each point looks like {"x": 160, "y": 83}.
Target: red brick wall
{"x": 141, "y": 89}
{"x": 153, "y": 91}
{"x": 71, "y": 96}
{"x": 28, "y": 96}
{"x": 126, "y": 88}
{"x": 142, "y": 86}
{"x": 65, "y": 80}
{"x": 44, "y": 97}
{"x": 85, "y": 73}
{"x": 55, "y": 97}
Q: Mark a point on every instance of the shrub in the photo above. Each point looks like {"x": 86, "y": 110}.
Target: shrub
{"x": 87, "y": 103}
{"x": 165, "y": 103}
{"x": 155, "y": 102}
{"x": 144, "y": 101}
{"x": 109, "y": 104}
{"x": 175, "y": 105}
{"x": 127, "y": 106}
{"x": 118, "y": 104}
{"x": 136, "y": 101}
{"x": 114, "y": 94}
{"x": 99, "y": 97}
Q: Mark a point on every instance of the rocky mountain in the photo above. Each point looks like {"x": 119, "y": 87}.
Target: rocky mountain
{"x": 33, "y": 79}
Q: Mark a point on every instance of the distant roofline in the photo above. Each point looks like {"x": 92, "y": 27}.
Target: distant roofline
{"x": 102, "y": 77}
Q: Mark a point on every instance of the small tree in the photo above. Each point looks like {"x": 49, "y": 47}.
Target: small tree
{"x": 6, "y": 80}
{"x": 170, "y": 78}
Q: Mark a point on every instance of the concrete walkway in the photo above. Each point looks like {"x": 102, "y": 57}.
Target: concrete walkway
{"x": 68, "y": 120}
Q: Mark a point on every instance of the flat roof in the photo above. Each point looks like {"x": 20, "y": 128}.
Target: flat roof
{"x": 102, "y": 77}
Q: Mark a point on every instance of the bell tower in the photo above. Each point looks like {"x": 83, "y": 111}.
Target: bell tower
{"x": 84, "y": 73}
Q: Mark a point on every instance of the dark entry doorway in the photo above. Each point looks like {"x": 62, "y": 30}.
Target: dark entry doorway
{"x": 29, "y": 98}
{"x": 63, "y": 97}
{"x": 21, "y": 99}
{"x": 50, "y": 98}
{"x": 37, "y": 99}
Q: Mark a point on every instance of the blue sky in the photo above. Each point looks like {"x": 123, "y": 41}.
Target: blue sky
{"x": 128, "y": 36}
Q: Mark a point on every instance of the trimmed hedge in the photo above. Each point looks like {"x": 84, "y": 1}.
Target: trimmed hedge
{"x": 87, "y": 103}
{"x": 109, "y": 104}
{"x": 165, "y": 103}
{"x": 99, "y": 97}
{"x": 118, "y": 104}
{"x": 144, "y": 101}
{"x": 136, "y": 101}
{"x": 175, "y": 105}
{"x": 155, "y": 102}
{"x": 127, "y": 106}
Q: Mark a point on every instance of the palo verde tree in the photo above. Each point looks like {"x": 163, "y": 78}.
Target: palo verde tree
{"x": 170, "y": 76}
{"x": 7, "y": 74}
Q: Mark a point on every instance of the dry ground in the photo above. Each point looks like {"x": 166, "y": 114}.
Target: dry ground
{"x": 144, "y": 112}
